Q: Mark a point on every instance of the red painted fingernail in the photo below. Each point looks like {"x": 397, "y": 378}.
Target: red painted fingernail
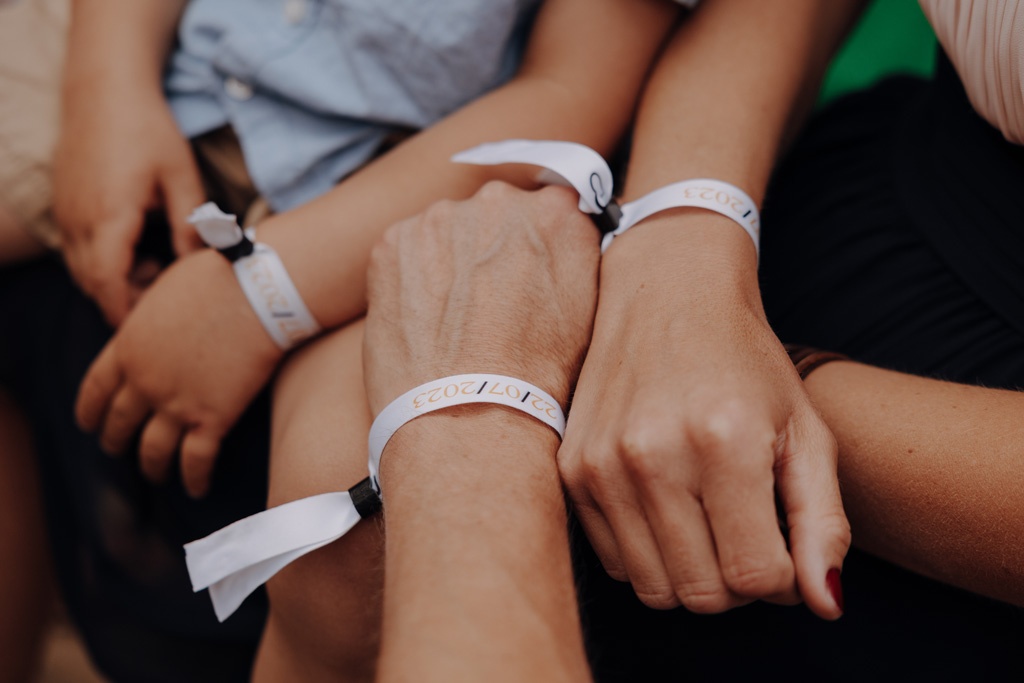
{"x": 835, "y": 587}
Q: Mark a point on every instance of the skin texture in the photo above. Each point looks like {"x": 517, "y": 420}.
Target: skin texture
{"x": 675, "y": 480}
{"x": 326, "y": 243}
{"x": 120, "y": 152}
{"x": 487, "y": 577}
{"x": 931, "y": 473}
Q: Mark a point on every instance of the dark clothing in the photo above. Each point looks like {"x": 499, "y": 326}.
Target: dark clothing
{"x": 892, "y": 234}
{"x": 116, "y": 539}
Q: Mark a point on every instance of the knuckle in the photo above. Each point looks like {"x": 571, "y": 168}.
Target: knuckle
{"x": 382, "y": 255}
{"x": 496, "y": 191}
{"x": 640, "y": 449}
{"x": 657, "y": 597}
{"x": 558, "y": 198}
{"x": 837, "y": 526}
{"x": 594, "y": 469}
{"x": 720, "y": 427}
{"x": 703, "y": 596}
{"x": 440, "y": 213}
{"x": 754, "y": 577}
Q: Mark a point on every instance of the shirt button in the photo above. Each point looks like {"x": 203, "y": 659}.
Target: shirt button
{"x": 294, "y": 11}
{"x": 237, "y": 89}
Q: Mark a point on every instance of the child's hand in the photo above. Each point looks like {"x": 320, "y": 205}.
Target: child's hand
{"x": 186, "y": 363}
{"x": 120, "y": 154}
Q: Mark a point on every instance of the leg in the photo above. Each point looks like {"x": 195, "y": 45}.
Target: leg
{"x": 26, "y": 590}
{"x": 324, "y": 618}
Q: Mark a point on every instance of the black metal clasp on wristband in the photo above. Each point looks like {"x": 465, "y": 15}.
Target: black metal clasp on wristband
{"x": 365, "y": 499}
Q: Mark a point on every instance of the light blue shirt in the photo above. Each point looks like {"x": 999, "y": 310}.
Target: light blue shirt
{"x": 312, "y": 87}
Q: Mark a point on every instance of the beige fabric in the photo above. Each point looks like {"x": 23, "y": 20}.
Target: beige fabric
{"x": 32, "y": 40}
{"x": 985, "y": 41}
{"x": 33, "y": 35}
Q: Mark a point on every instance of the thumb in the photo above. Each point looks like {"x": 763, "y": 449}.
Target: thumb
{"x": 819, "y": 532}
{"x": 183, "y": 192}
{"x": 107, "y": 265}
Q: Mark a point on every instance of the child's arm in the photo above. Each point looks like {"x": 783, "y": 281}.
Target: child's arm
{"x": 192, "y": 355}
{"x": 120, "y": 151}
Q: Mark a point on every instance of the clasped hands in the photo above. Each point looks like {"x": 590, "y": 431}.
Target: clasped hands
{"x": 686, "y": 424}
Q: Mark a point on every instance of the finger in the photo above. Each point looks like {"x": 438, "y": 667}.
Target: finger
{"x": 585, "y": 508}
{"x": 688, "y": 550}
{"x": 738, "y": 493}
{"x": 819, "y": 532}
{"x": 183, "y": 192}
{"x": 108, "y": 263}
{"x": 198, "y": 454}
{"x": 599, "y": 534}
{"x": 127, "y": 411}
{"x": 658, "y": 466}
{"x": 637, "y": 548}
{"x": 157, "y": 445}
{"x": 101, "y": 382}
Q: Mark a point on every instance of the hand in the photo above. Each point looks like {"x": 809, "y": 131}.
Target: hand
{"x": 505, "y": 282}
{"x": 186, "y": 363}
{"x": 120, "y": 154}
{"x": 687, "y": 421}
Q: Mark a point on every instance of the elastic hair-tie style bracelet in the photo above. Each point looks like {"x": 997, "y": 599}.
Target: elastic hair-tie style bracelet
{"x": 807, "y": 359}
{"x": 579, "y": 167}
{"x": 238, "y": 559}
{"x": 261, "y": 274}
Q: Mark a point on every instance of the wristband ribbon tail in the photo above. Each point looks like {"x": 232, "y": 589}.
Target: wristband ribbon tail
{"x": 587, "y": 172}
{"x": 238, "y": 559}
{"x": 582, "y": 168}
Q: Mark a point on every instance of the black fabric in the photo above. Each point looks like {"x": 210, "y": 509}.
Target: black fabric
{"x": 117, "y": 539}
{"x": 891, "y": 234}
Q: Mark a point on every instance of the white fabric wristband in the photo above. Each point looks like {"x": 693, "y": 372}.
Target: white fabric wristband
{"x": 455, "y": 391}
{"x": 261, "y": 274}
{"x": 701, "y": 193}
{"x": 238, "y": 559}
{"x": 577, "y": 166}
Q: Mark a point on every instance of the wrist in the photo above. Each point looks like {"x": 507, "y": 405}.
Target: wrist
{"x": 236, "y": 311}
{"x": 471, "y": 449}
{"x": 691, "y": 256}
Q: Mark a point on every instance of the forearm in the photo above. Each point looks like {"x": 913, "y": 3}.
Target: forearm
{"x": 478, "y": 582}
{"x": 581, "y": 75}
{"x": 731, "y": 84}
{"x": 931, "y": 473}
{"x": 122, "y": 40}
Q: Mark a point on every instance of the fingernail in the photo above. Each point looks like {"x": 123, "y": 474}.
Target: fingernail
{"x": 835, "y": 587}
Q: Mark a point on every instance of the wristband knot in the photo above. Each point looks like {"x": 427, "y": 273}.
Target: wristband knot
{"x": 608, "y": 220}
{"x": 238, "y": 251}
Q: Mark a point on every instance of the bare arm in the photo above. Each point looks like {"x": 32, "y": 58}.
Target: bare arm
{"x": 478, "y": 581}
{"x": 710, "y": 420}
{"x": 931, "y": 473}
{"x": 585, "y": 65}
{"x": 180, "y": 382}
